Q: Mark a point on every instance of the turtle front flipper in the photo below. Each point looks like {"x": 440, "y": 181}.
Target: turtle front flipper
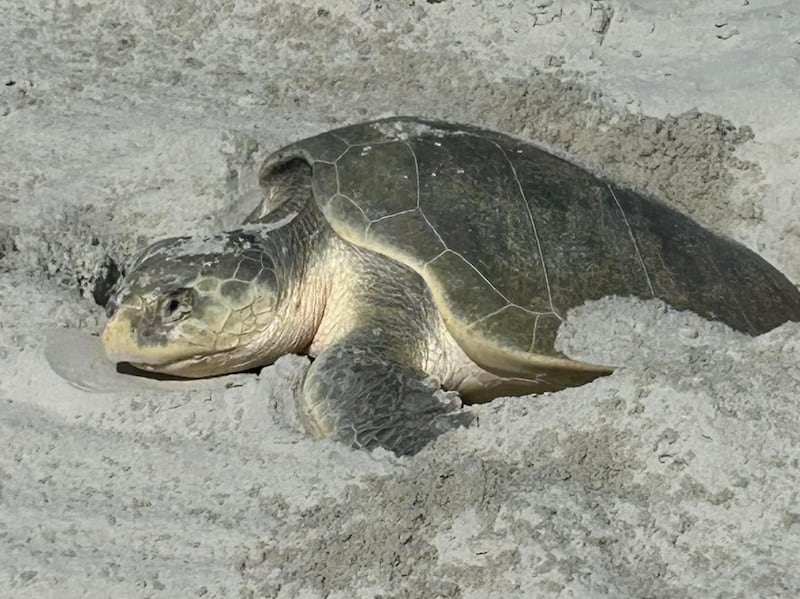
{"x": 359, "y": 394}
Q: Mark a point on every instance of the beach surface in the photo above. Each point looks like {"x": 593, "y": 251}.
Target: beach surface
{"x": 122, "y": 122}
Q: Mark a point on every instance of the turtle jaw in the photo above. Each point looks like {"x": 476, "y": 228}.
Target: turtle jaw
{"x": 123, "y": 343}
{"x": 196, "y": 367}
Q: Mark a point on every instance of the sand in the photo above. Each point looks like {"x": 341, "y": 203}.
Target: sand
{"x": 121, "y": 122}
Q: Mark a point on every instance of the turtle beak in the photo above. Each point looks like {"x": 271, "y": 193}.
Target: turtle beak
{"x": 131, "y": 336}
{"x": 118, "y": 337}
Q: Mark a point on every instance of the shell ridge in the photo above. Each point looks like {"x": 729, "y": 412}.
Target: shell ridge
{"x": 500, "y": 294}
{"x": 533, "y": 227}
{"x": 633, "y": 240}
{"x": 421, "y": 211}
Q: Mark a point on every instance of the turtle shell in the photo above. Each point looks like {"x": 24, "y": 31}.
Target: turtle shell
{"x": 509, "y": 237}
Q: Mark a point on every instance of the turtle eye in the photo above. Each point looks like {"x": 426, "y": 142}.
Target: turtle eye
{"x": 177, "y": 305}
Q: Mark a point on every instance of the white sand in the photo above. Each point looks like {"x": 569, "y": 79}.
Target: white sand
{"x": 123, "y": 121}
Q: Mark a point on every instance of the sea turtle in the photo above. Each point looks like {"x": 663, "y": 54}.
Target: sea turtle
{"x": 414, "y": 258}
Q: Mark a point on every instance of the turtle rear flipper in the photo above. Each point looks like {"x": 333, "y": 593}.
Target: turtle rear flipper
{"x": 357, "y": 393}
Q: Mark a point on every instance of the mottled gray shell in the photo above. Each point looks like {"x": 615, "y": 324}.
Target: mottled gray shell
{"x": 509, "y": 237}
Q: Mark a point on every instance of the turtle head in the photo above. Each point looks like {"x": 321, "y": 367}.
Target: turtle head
{"x": 202, "y": 306}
